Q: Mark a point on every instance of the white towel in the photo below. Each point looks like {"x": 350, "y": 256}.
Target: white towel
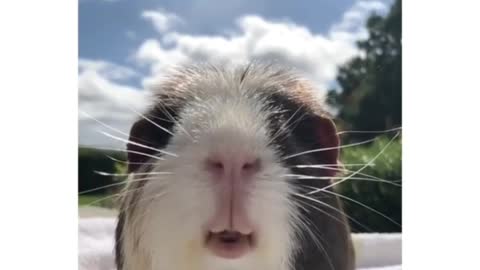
{"x": 374, "y": 251}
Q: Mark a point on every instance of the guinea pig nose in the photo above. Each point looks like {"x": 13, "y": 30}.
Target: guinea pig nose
{"x": 233, "y": 167}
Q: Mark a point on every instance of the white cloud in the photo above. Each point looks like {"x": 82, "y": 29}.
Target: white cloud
{"x": 316, "y": 55}
{"x": 106, "y": 101}
{"x": 106, "y": 69}
{"x": 161, "y": 20}
{"x": 353, "y": 21}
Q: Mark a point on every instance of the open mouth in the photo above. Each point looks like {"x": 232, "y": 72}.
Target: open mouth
{"x": 229, "y": 244}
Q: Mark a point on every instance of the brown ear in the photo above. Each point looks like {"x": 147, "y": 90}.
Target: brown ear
{"x": 147, "y": 133}
{"x": 327, "y": 138}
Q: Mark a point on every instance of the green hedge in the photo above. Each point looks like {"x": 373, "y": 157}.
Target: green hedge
{"x": 383, "y": 197}
{"x": 91, "y": 160}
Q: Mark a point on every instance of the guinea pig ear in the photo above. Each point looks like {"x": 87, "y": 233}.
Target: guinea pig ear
{"x": 146, "y": 132}
{"x": 327, "y": 138}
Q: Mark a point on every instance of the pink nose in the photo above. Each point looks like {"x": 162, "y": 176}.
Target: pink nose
{"x": 233, "y": 167}
{"x": 231, "y": 175}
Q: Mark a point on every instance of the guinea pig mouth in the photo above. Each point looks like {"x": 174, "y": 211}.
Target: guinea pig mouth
{"x": 229, "y": 244}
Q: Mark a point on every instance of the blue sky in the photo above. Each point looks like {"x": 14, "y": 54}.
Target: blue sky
{"x": 103, "y": 25}
{"x": 124, "y": 45}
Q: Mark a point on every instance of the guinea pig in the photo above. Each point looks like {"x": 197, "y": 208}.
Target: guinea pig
{"x": 215, "y": 181}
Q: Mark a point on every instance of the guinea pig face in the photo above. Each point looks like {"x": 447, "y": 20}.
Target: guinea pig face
{"x": 219, "y": 197}
{"x": 212, "y": 176}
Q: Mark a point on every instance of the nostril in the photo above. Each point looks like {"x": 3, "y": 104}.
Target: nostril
{"x": 220, "y": 167}
{"x": 247, "y": 166}
{"x": 214, "y": 165}
{"x": 252, "y": 166}
{"x": 217, "y": 165}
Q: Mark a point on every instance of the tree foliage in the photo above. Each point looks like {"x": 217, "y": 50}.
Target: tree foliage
{"x": 370, "y": 94}
{"x": 91, "y": 161}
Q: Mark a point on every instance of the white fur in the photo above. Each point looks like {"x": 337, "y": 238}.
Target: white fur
{"x": 219, "y": 118}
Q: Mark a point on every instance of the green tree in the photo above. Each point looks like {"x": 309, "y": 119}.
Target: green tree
{"x": 370, "y": 94}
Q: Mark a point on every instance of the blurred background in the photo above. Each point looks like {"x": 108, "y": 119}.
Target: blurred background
{"x": 350, "y": 49}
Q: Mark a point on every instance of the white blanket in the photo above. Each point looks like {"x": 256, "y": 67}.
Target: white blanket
{"x": 96, "y": 242}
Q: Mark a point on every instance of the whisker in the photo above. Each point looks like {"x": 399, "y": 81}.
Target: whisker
{"x": 136, "y": 218}
{"x": 333, "y": 208}
{"x": 118, "y": 194}
{"x": 138, "y": 144}
{"x": 108, "y": 197}
{"x": 310, "y": 204}
{"x": 306, "y": 177}
{"x": 302, "y": 222}
{"x": 328, "y": 148}
{"x": 317, "y": 241}
{"x": 362, "y": 204}
{"x": 128, "y": 162}
{"x": 287, "y": 124}
{"x": 369, "y": 131}
{"x": 374, "y": 177}
{"x": 112, "y": 128}
{"x": 103, "y": 124}
{"x": 329, "y": 165}
{"x": 345, "y": 170}
{"x": 161, "y": 118}
{"x": 335, "y": 218}
{"x": 151, "y": 121}
{"x": 372, "y": 160}
{"x": 176, "y": 122}
{"x": 118, "y": 160}
{"x": 117, "y": 184}
{"x": 133, "y": 173}
{"x": 130, "y": 151}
